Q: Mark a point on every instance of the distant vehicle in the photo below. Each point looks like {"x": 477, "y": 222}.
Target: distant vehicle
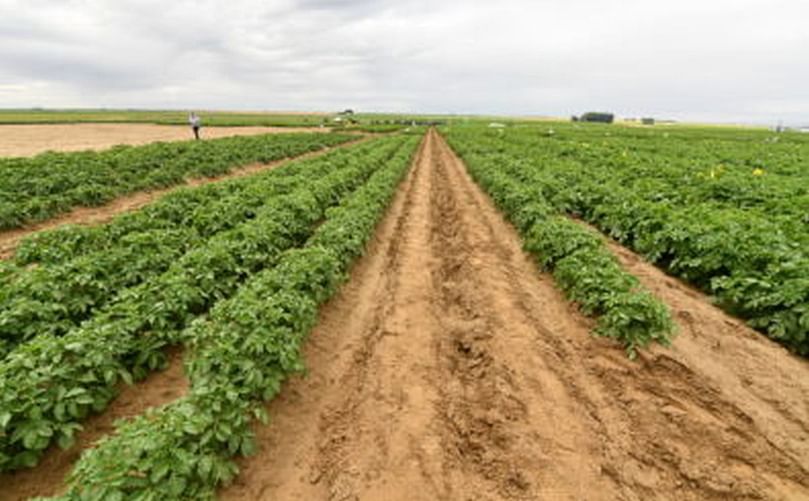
{"x": 594, "y": 116}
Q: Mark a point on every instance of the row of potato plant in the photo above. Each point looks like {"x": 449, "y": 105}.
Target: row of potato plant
{"x": 727, "y": 215}
{"x": 61, "y": 292}
{"x": 49, "y": 385}
{"x": 38, "y": 188}
{"x": 578, "y": 258}
{"x": 238, "y": 357}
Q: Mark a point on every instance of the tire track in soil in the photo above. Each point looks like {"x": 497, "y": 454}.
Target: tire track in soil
{"x": 9, "y": 239}
{"x": 500, "y": 399}
{"x": 448, "y": 367}
{"x": 48, "y": 477}
{"x": 429, "y": 381}
{"x": 755, "y": 388}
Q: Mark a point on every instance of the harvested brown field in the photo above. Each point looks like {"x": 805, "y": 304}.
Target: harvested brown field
{"x": 28, "y": 140}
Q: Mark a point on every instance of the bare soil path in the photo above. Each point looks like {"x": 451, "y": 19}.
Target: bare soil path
{"x": 9, "y": 239}
{"x": 29, "y": 140}
{"x": 449, "y": 368}
{"x": 48, "y": 477}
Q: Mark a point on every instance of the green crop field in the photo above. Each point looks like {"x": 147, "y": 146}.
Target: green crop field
{"x": 212, "y": 118}
{"x": 233, "y": 274}
{"x": 181, "y": 259}
{"x": 726, "y": 209}
{"x": 343, "y": 250}
{"x": 38, "y": 188}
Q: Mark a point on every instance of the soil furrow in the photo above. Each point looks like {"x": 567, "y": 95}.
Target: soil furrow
{"x": 310, "y": 466}
{"x": 450, "y": 368}
{"x": 445, "y": 398}
{"x": 505, "y": 279}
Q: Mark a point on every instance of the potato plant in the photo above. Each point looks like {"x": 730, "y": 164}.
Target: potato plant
{"x": 581, "y": 264}
{"x": 238, "y": 358}
{"x": 38, "y": 188}
{"x": 727, "y": 212}
{"x": 61, "y": 292}
{"x": 48, "y": 385}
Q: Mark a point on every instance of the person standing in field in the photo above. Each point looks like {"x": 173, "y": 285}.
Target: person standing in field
{"x": 195, "y": 122}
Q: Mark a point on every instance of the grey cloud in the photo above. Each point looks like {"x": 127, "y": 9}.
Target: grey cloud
{"x": 721, "y": 60}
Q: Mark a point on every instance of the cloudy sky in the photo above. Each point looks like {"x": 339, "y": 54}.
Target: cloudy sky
{"x": 706, "y": 60}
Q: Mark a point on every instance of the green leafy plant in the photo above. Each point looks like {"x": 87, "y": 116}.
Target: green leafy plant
{"x": 238, "y": 357}
{"x": 581, "y": 264}
{"x": 724, "y": 210}
{"x": 34, "y": 189}
{"x": 52, "y": 382}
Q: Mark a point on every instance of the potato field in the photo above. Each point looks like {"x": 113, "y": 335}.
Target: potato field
{"x": 538, "y": 310}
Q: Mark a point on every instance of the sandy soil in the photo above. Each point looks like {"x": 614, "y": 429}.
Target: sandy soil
{"x": 28, "y": 140}
{"x": 449, "y": 368}
{"x": 47, "y": 479}
{"x": 9, "y": 239}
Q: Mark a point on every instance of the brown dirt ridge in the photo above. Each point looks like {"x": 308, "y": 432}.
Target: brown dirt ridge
{"x": 31, "y": 139}
{"x": 9, "y": 239}
{"x": 450, "y": 368}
